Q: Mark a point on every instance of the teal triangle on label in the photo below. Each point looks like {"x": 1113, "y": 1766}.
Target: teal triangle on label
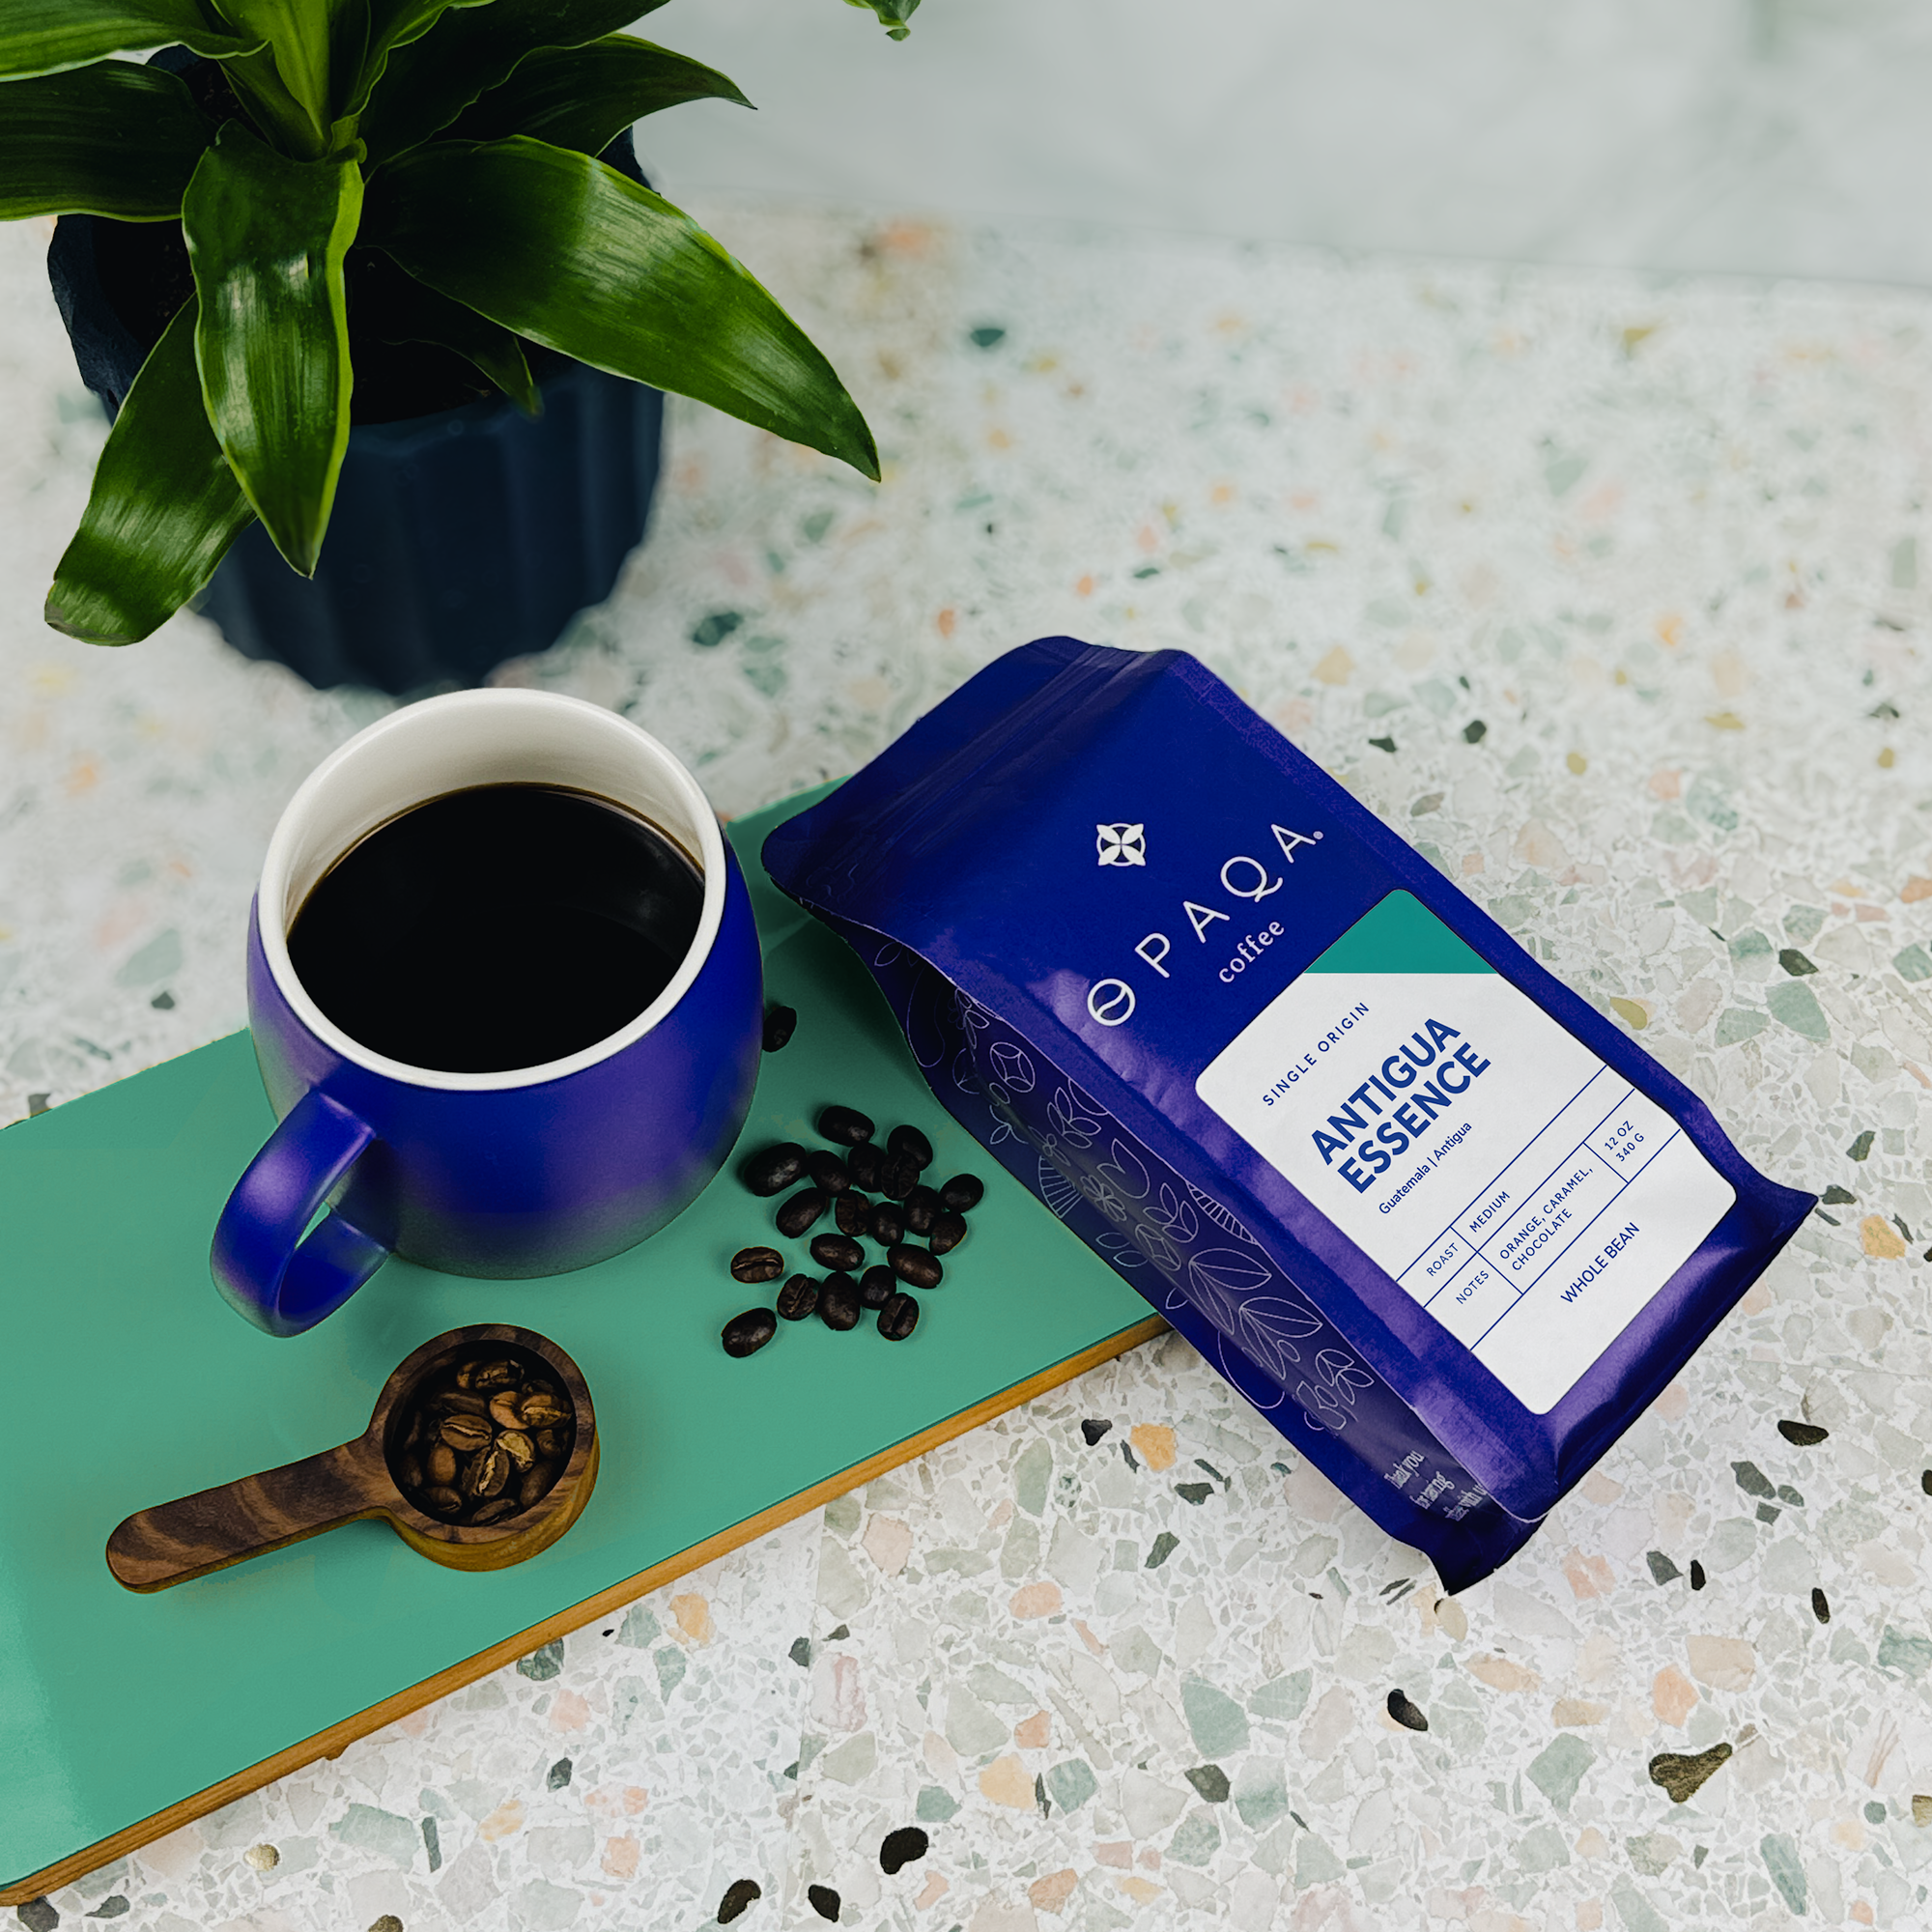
{"x": 1400, "y": 935}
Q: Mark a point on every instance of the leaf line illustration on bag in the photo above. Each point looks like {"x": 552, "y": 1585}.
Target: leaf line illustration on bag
{"x": 1425, "y": 1208}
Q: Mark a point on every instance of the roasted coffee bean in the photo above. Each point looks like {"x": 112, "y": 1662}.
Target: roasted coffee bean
{"x": 829, "y": 1174}
{"x": 543, "y": 1410}
{"x": 838, "y": 1251}
{"x": 495, "y": 1512}
{"x": 898, "y": 1317}
{"x": 910, "y": 1145}
{"x": 921, "y": 1206}
{"x": 853, "y": 1212}
{"x": 468, "y": 1434}
{"x": 773, "y": 1169}
{"x": 536, "y": 1485}
{"x": 863, "y": 1163}
{"x": 798, "y": 1297}
{"x": 518, "y": 1447}
{"x": 439, "y": 1467}
{"x": 876, "y": 1286}
{"x": 846, "y": 1125}
{"x": 946, "y": 1231}
{"x": 488, "y": 1471}
{"x": 897, "y": 1176}
{"x": 915, "y": 1265}
{"x": 839, "y": 1301}
{"x": 442, "y": 1500}
{"x": 780, "y": 1023}
{"x": 963, "y": 1193}
{"x": 409, "y": 1472}
{"x": 552, "y": 1441}
{"x": 454, "y": 1401}
{"x": 497, "y": 1376}
{"x": 751, "y": 1264}
{"x": 747, "y": 1333}
{"x": 887, "y": 1224}
{"x": 800, "y": 1212}
{"x": 503, "y": 1410}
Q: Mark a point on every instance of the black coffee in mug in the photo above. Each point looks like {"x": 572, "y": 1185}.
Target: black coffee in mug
{"x": 501, "y": 927}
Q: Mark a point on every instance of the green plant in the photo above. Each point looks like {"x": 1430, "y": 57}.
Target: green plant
{"x": 460, "y": 139}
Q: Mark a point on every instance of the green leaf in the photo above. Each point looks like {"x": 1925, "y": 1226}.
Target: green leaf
{"x": 164, "y": 508}
{"x": 51, "y": 36}
{"x": 584, "y": 97}
{"x": 565, "y": 251}
{"x": 266, "y": 236}
{"x": 414, "y": 312}
{"x": 433, "y": 81}
{"x": 386, "y": 26}
{"x": 892, "y": 15}
{"x": 113, "y": 139}
{"x": 298, "y": 33}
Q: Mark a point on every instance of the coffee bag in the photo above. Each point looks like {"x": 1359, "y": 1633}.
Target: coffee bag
{"x": 1433, "y": 1215}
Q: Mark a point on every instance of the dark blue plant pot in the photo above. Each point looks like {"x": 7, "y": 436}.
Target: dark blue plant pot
{"x": 458, "y": 539}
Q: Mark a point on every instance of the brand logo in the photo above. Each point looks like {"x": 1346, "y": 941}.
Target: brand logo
{"x": 1121, "y": 844}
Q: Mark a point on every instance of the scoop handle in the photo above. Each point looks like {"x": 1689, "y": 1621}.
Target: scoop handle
{"x": 173, "y": 1542}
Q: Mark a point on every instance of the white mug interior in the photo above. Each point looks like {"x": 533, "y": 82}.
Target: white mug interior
{"x": 476, "y": 738}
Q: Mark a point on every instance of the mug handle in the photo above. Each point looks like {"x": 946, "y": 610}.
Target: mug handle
{"x": 263, "y": 1267}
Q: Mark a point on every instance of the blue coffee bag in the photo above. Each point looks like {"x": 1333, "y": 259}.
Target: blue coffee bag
{"x": 1442, "y": 1224}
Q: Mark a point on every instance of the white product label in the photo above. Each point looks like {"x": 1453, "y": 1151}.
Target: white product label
{"x": 1531, "y": 1199}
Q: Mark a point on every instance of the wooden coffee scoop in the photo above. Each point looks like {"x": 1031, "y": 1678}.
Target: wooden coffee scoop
{"x": 173, "y": 1541}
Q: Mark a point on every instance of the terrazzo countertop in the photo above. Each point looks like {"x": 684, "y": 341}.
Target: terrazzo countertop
{"x": 1610, "y": 596}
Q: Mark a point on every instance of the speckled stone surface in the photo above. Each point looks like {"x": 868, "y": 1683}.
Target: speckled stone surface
{"x": 1611, "y": 596}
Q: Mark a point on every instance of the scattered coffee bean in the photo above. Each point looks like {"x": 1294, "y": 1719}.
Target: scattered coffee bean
{"x": 897, "y": 1176}
{"x": 921, "y": 1206}
{"x": 876, "y": 1286}
{"x": 773, "y": 1169}
{"x": 798, "y": 1297}
{"x": 846, "y": 1125}
{"x": 863, "y": 1164}
{"x": 747, "y": 1333}
{"x": 915, "y": 1267}
{"x": 752, "y": 1265}
{"x": 483, "y": 1440}
{"x": 898, "y": 1317}
{"x": 901, "y": 1847}
{"x": 802, "y": 1210}
{"x": 853, "y": 1212}
{"x": 888, "y": 1225}
{"x": 963, "y": 1193}
{"x": 911, "y": 1145}
{"x": 824, "y": 1900}
{"x": 738, "y": 1894}
{"x": 838, "y": 1251}
{"x": 839, "y": 1301}
{"x": 829, "y": 1174}
{"x": 947, "y": 1230}
{"x": 780, "y": 1023}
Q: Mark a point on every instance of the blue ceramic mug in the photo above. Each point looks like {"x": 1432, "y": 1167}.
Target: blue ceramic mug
{"x": 528, "y": 1172}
